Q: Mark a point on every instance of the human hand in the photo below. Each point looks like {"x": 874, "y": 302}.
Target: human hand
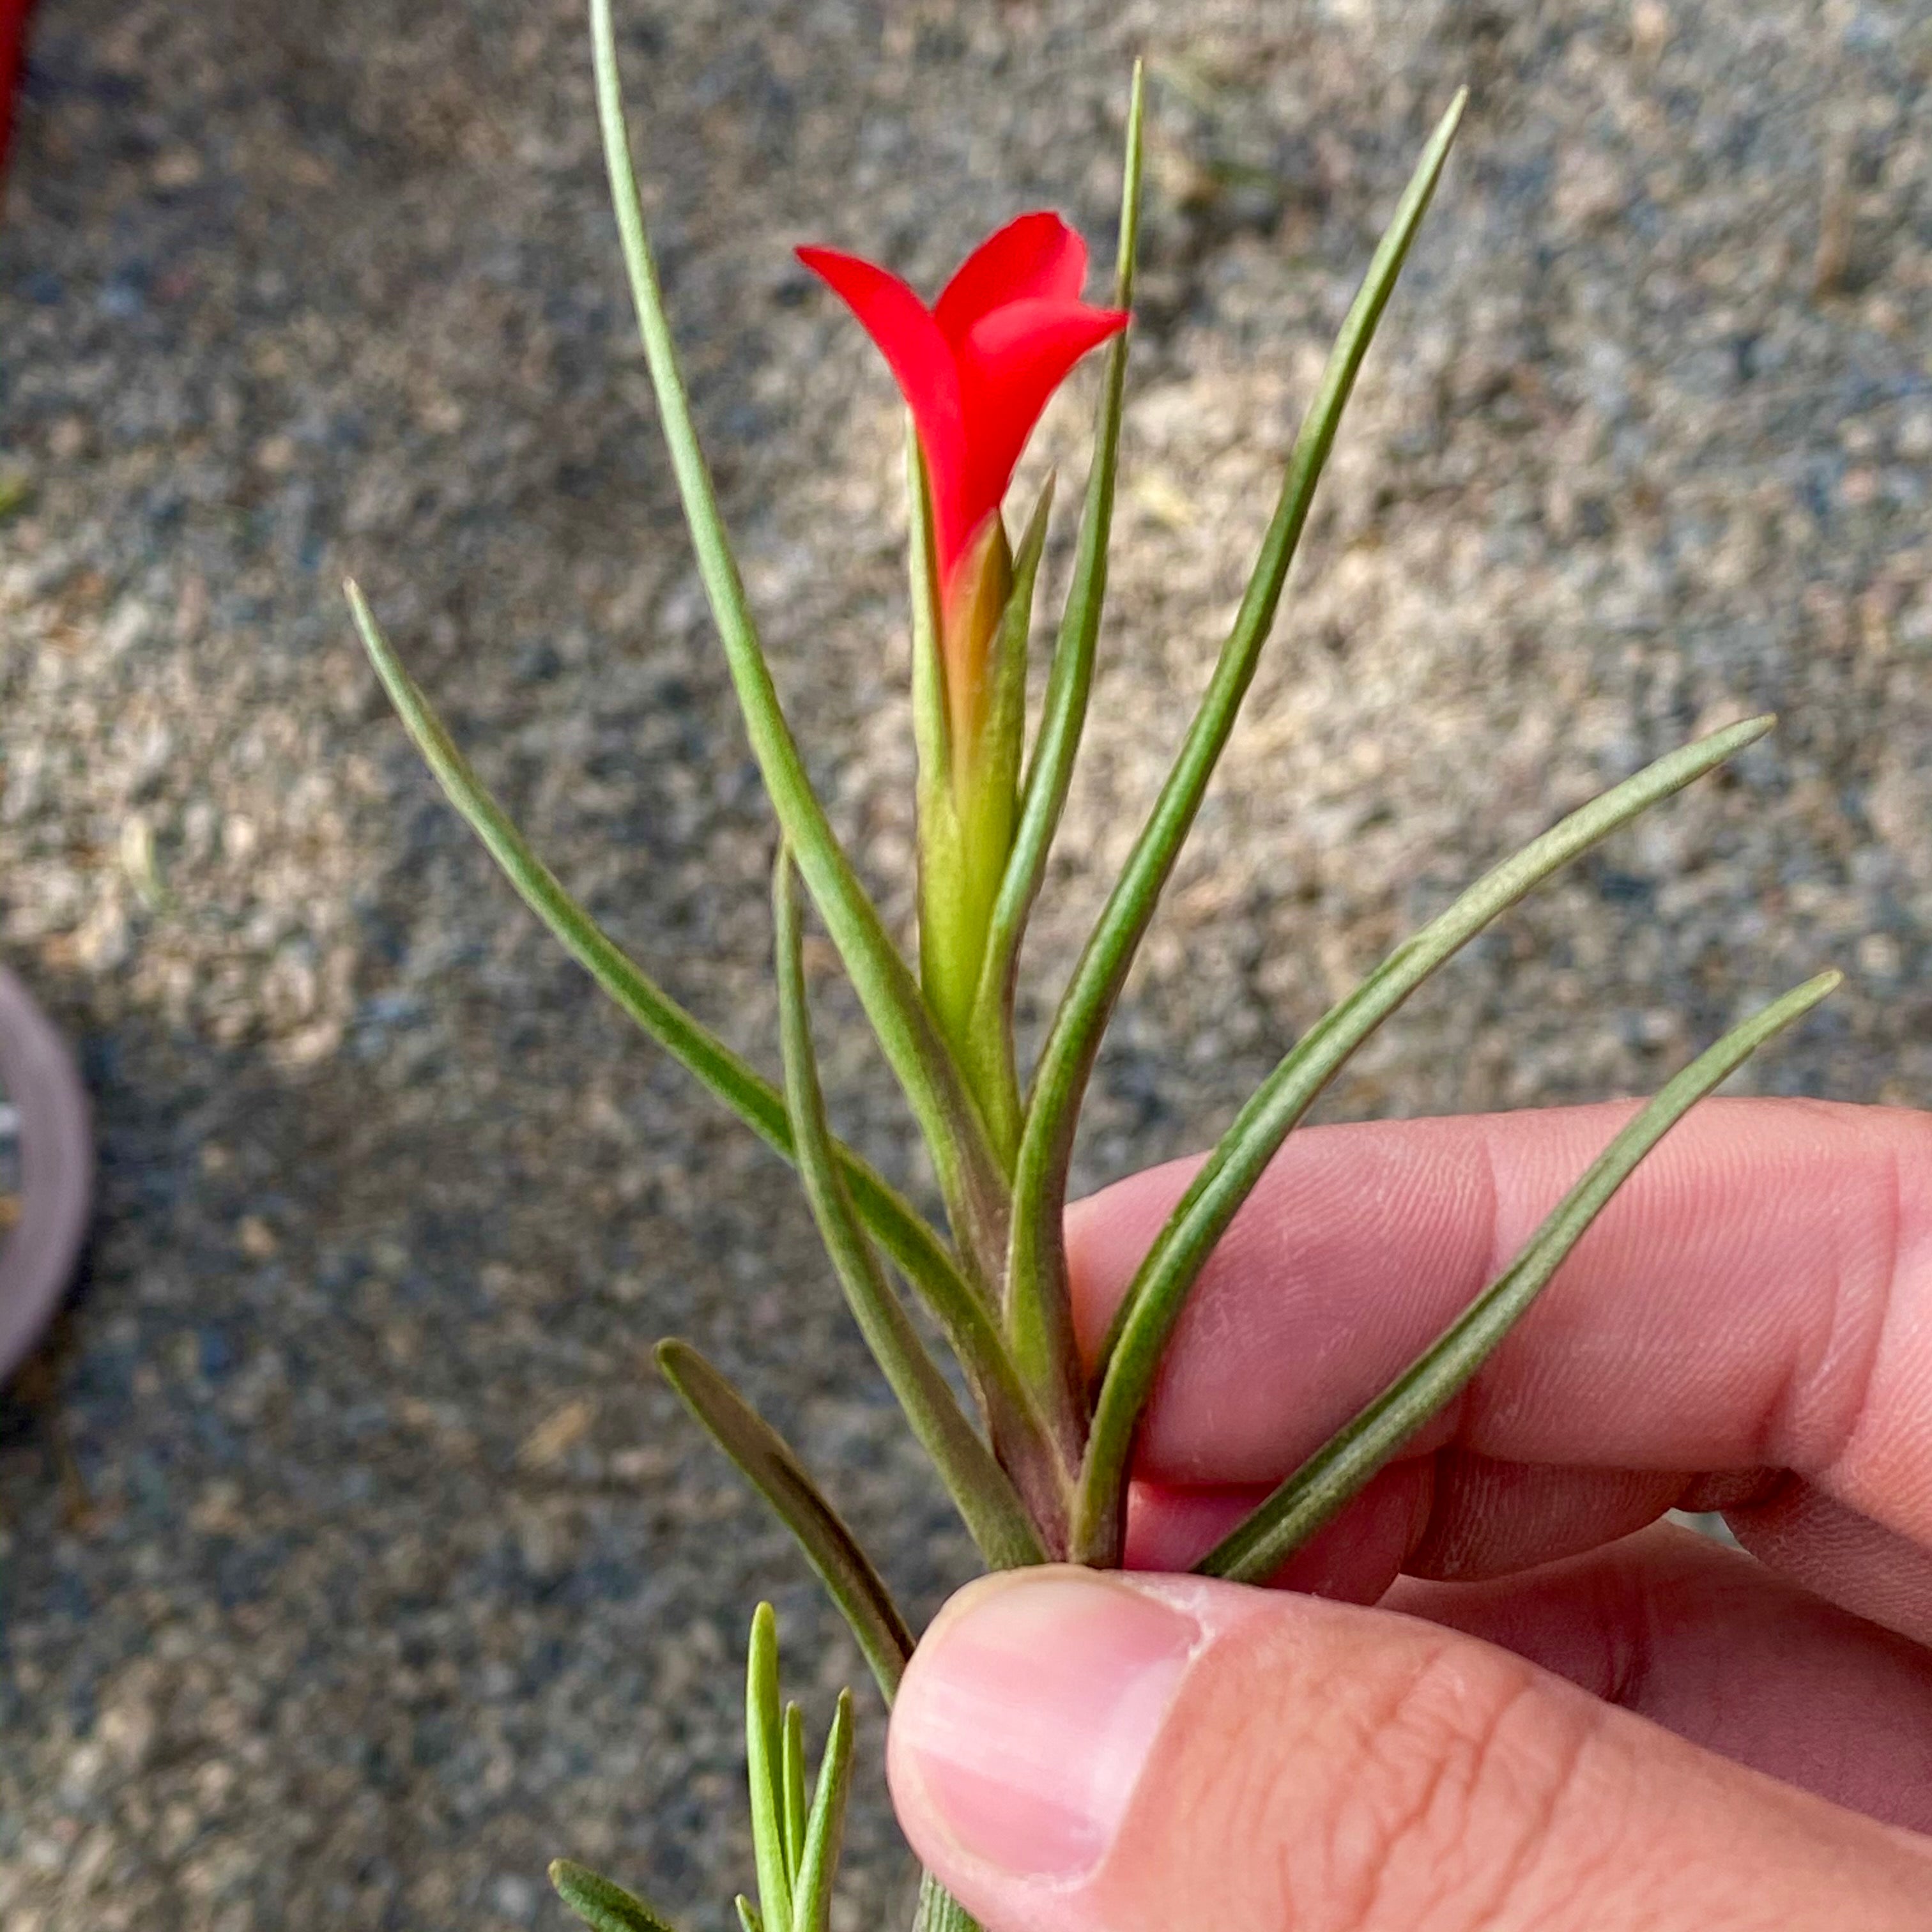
{"x": 1739, "y": 1743}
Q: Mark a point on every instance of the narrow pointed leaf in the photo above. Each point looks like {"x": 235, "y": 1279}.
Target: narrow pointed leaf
{"x": 749, "y": 1919}
{"x": 917, "y": 1252}
{"x": 794, "y": 1790}
{"x": 1335, "y": 1473}
{"x": 1007, "y": 734}
{"x": 768, "y": 1463}
{"x": 601, "y": 1905}
{"x": 1131, "y": 1357}
{"x": 1039, "y": 1321}
{"x": 939, "y": 1911}
{"x": 981, "y": 1489}
{"x": 932, "y": 725}
{"x": 811, "y": 1911}
{"x": 1038, "y": 1318}
{"x": 764, "y": 1767}
{"x": 988, "y": 1049}
{"x": 944, "y": 924}
{"x": 966, "y": 811}
{"x": 1070, "y": 679}
{"x": 975, "y": 1191}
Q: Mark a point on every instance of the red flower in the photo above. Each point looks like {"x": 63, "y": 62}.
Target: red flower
{"x": 977, "y": 368}
{"x": 13, "y": 57}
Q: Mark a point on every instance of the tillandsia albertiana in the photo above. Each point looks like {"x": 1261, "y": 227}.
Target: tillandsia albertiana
{"x": 1041, "y": 1473}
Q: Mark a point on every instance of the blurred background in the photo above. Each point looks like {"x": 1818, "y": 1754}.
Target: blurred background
{"x": 351, "y": 1565}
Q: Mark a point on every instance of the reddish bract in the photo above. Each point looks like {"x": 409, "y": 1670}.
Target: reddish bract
{"x": 977, "y": 368}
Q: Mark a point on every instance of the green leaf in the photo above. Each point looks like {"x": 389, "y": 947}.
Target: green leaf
{"x": 967, "y": 797}
{"x": 1039, "y": 1321}
{"x": 1006, "y": 734}
{"x": 946, "y": 935}
{"x": 1336, "y": 1472}
{"x": 602, "y": 1906}
{"x": 794, "y": 1788}
{"x": 970, "y": 1178}
{"x": 812, "y": 1910}
{"x": 983, "y": 1492}
{"x": 986, "y": 1053}
{"x": 764, "y": 1767}
{"x": 915, "y": 1248}
{"x": 1130, "y": 1357}
{"x": 767, "y": 1463}
{"x": 932, "y": 724}
{"x": 939, "y": 1911}
{"x": 748, "y": 1915}
{"x": 1070, "y": 678}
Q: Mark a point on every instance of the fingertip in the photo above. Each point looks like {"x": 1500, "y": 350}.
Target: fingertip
{"x": 1108, "y": 1235}
{"x": 1073, "y": 1752}
{"x": 1022, "y": 1726}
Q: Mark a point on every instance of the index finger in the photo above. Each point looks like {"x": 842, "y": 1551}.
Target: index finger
{"x": 1759, "y": 1294}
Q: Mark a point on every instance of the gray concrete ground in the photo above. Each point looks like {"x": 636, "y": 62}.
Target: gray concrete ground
{"x": 354, "y": 1565}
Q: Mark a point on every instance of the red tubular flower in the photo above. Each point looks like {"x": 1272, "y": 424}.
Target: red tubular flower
{"x": 977, "y": 368}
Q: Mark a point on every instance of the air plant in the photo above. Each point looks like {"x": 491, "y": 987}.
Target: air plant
{"x": 1040, "y": 1473}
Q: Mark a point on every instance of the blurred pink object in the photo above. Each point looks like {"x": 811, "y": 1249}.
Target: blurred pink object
{"x": 39, "y": 1253}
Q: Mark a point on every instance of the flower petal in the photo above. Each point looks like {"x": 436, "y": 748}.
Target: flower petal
{"x": 923, "y": 365}
{"x": 1011, "y": 362}
{"x": 1037, "y": 256}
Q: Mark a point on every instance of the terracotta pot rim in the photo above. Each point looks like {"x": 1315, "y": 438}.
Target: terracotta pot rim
{"x": 39, "y": 1255}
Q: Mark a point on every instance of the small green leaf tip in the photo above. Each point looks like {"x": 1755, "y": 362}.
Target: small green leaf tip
{"x": 764, "y": 1766}
{"x": 812, "y": 1901}
{"x": 602, "y": 1904}
{"x": 939, "y": 1911}
{"x": 797, "y": 1847}
{"x": 795, "y": 1798}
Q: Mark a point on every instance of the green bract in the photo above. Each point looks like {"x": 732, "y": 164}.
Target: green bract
{"x": 1041, "y": 1473}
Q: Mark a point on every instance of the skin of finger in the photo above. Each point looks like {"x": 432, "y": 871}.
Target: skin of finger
{"x": 1491, "y": 1518}
{"x": 1792, "y": 1686}
{"x": 1709, "y": 1644}
{"x": 1452, "y": 1515}
{"x": 1337, "y": 1769}
{"x": 1353, "y": 1560}
{"x": 1841, "y": 1556}
{"x": 1760, "y": 1293}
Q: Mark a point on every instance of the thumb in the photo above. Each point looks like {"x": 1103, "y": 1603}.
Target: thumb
{"x": 1071, "y": 1752}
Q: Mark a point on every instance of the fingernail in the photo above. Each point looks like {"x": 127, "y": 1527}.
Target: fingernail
{"x": 1028, "y": 1713}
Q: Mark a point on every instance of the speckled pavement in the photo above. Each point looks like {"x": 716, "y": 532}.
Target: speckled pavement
{"x": 351, "y": 1564}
